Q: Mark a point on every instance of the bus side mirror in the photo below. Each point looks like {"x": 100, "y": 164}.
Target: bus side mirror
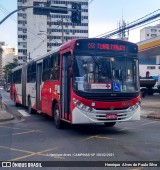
{"x": 70, "y": 72}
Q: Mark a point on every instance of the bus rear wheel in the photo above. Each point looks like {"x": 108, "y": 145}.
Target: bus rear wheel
{"x": 109, "y": 124}
{"x": 57, "y": 121}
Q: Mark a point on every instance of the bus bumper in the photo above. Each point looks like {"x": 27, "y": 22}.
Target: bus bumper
{"x": 99, "y": 116}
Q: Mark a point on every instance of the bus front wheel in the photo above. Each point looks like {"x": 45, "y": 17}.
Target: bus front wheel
{"x": 109, "y": 124}
{"x": 57, "y": 120}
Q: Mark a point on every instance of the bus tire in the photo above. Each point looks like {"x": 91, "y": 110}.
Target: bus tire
{"x": 30, "y": 110}
{"x": 109, "y": 124}
{"x": 57, "y": 121}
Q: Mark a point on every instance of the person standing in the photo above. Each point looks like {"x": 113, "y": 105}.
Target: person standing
{"x": 1, "y": 104}
{"x": 147, "y": 74}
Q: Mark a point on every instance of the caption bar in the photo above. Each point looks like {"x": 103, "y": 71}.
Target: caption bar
{"x": 38, "y": 164}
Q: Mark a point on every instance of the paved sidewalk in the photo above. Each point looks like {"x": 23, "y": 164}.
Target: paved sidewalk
{"x": 150, "y": 106}
{"x": 4, "y": 115}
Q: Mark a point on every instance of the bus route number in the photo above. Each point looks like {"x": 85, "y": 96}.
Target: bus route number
{"x": 91, "y": 45}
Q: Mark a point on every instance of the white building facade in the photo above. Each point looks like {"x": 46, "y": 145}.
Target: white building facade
{"x": 38, "y": 34}
{"x": 149, "y": 32}
{"x": 7, "y": 54}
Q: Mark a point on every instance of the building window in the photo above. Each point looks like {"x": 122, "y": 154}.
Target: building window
{"x": 153, "y": 30}
{"x": 151, "y": 67}
{"x": 147, "y": 34}
{"x": 31, "y": 73}
{"x": 17, "y": 76}
{"x": 153, "y": 35}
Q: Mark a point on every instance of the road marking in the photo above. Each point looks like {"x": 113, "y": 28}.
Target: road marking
{"x": 21, "y": 133}
{"x": 14, "y": 149}
{"x": 31, "y": 153}
{"x": 26, "y": 156}
{"x": 14, "y": 128}
{"x": 97, "y": 137}
{"x": 26, "y": 132}
{"x": 41, "y": 153}
{"x": 123, "y": 129}
{"x": 36, "y": 154}
{"x": 24, "y": 113}
{"x": 103, "y": 137}
{"x": 149, "y": 123}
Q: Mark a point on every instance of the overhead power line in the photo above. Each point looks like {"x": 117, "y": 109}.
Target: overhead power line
{"x": 90, "y": 2}
{"x": 5, "y": 11}
{"x": 131, "y": 25}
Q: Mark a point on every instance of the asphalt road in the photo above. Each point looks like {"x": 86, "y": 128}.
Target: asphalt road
{"x": 35, "y": 138}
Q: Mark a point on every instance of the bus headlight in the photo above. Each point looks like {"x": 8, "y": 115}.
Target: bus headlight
{"x": 81, "y": 106}
{"x": 134, "y": 107}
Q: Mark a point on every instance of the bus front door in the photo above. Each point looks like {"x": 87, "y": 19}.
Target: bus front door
{"x": 65, "y": 87}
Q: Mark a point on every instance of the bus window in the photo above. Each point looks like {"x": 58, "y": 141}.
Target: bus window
{"x": 55, "y": 67}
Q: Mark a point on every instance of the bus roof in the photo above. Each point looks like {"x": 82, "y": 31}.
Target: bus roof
{"x": 70, "y": 44}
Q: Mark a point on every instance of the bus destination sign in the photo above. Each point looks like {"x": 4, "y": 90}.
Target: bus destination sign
{"x": 106, "y": 46}
{"x": 110, "y": 45}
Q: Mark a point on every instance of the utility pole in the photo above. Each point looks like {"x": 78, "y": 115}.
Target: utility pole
{"x": 29, "y": 57}
{"x": 62, "y": 27}
{"x": 62, "y": 31}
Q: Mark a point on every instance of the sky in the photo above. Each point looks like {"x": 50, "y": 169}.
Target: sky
{"x": 104, "y": 16}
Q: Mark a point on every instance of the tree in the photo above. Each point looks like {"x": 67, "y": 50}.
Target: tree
{"x": 7, "y": 69}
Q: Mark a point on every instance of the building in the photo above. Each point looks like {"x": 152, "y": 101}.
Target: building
{"x": 149, "y": 32}
{"x": 6, "y": 56}
{"x": 149, "y": 57}
{"x": 38, "y": 34}
{"x": 1, "y": 52}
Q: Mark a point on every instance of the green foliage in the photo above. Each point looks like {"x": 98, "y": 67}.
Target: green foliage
{"x": 8, "y": 67}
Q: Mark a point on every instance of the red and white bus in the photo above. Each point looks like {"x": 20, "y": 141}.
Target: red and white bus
{"x": 84, "y": 81}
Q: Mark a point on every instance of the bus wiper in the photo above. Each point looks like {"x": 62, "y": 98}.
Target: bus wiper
{"x": 98, "y": 64}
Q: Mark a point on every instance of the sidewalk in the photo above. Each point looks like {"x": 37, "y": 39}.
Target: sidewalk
{"x": 4, "y": 115}
{"x": 150, "y": 106}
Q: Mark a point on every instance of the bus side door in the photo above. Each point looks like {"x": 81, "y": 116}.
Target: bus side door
{"x": 65, "y": 86}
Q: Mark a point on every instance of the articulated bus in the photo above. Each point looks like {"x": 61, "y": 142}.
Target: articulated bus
{"x": 84, "y": 81}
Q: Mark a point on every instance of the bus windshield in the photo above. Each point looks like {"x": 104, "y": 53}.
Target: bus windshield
{"x": 96, "y": 73}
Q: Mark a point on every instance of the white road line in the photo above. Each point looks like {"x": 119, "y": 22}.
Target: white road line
{"x": 24, "y": 113}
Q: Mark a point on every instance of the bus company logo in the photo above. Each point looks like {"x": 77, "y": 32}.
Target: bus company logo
{"x": 126, "y": 104}
{"x": 6, "y": 164}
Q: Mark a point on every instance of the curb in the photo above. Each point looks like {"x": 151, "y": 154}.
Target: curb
{"x": 7, "y": 119}
{"x": 10, "y": 117}
{"x": 153, "y": 116}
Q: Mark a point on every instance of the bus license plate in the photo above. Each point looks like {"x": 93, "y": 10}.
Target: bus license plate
{"x": 111, "y": 116}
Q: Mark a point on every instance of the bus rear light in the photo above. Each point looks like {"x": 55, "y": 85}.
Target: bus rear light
{"x": 81, "y": 106}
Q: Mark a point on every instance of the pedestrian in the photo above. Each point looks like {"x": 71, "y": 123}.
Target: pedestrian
{"x": 1, "y": 104}
{"x": 147, "y": 74}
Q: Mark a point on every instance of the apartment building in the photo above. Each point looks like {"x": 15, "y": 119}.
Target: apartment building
{"x": 7, "y": 54}
{"x": 149, "y": 32}
{"x": 38, "y": 34}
